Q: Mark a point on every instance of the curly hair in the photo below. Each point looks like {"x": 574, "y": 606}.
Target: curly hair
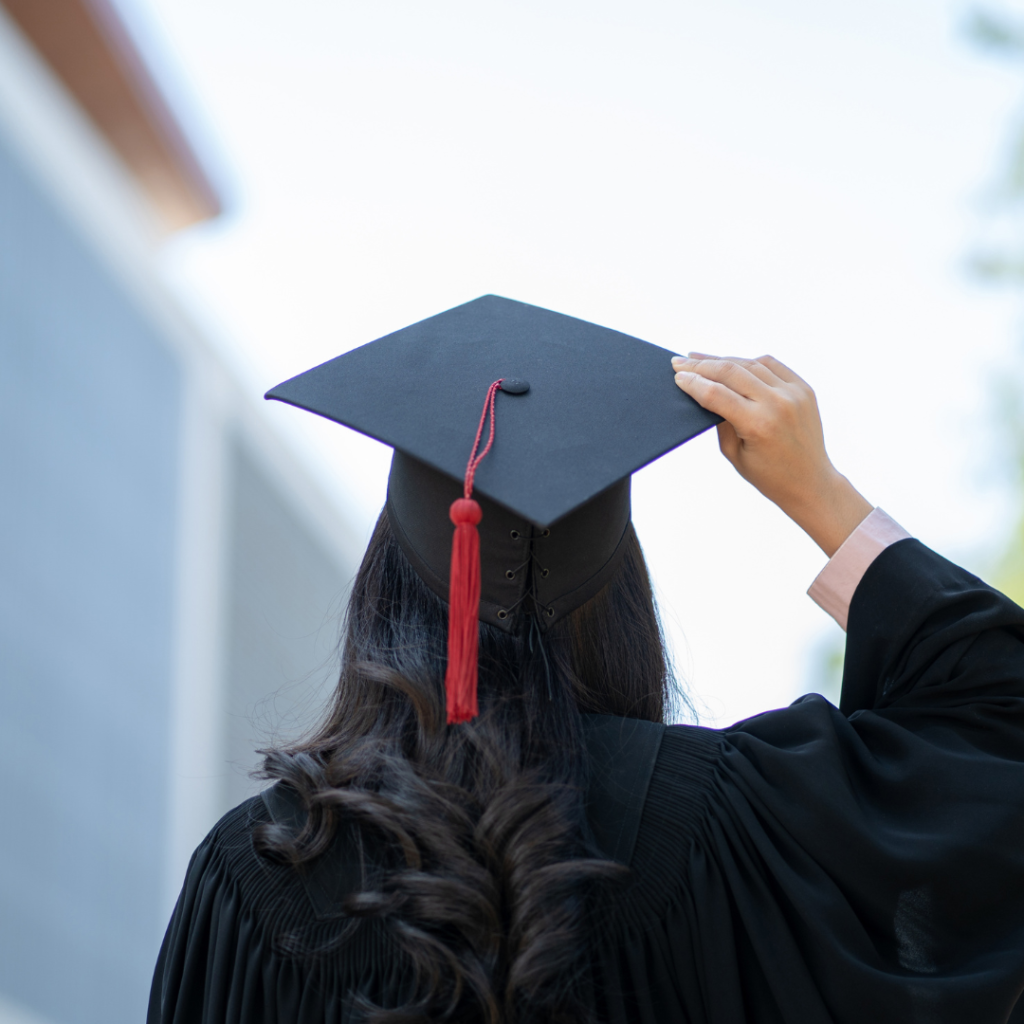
{"x": 490, "y": 871}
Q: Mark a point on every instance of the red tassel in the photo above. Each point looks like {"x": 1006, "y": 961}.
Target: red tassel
{"x": 464, "y": 585}
{"x": 463, "y": 612}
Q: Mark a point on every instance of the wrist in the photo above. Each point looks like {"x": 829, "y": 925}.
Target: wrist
{"x": 831, "y": 512}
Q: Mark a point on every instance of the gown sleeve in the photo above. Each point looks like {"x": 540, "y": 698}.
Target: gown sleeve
{"x": 866, "y": 864}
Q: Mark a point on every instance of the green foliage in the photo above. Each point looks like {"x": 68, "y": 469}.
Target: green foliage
{"x": 1009, "y": 576}
{"x": 1004, "y": 36}
{"x": 996, "y": 32}
{"x": 827, "y": 667}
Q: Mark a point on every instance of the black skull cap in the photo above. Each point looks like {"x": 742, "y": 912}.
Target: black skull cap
{"x": 599, "y": 404}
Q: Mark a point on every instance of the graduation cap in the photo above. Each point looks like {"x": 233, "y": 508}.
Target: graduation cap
{"x": 562, "y": 412}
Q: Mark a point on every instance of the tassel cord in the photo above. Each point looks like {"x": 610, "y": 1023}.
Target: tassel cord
{"x": 474, "y": 459}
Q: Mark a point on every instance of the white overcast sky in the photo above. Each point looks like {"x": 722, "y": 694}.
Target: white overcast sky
{"x": 801, "y": 177}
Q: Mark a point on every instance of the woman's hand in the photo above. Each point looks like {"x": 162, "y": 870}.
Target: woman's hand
{"x": 772, "y": 435}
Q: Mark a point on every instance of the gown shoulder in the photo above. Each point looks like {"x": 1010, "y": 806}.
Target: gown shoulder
{"x": 250, "y": 943}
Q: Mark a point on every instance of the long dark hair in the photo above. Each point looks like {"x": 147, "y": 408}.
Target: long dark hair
{"x": 489, "y": 882}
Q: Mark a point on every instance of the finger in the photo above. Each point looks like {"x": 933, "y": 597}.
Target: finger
{"x": 691, "y": 356}
{"x": 757, "y": 367}
{"x": 711, "y": 395}
{"x": 730, "y": 372}
{"x": 763, "y": 373}
{"x": 781, "y": 370}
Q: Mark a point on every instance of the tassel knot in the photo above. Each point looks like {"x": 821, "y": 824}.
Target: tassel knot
{"x": 465, "y": 511}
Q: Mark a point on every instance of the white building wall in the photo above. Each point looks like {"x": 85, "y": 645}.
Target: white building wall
{"x": 240, "y": 563}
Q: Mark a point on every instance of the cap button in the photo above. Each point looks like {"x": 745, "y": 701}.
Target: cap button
{"x": 515, "y": 387}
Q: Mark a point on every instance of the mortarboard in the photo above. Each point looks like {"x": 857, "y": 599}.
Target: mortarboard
{"x": 578, "y": 409}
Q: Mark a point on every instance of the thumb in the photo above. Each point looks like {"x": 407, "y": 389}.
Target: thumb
{"x": 729, "y": 441}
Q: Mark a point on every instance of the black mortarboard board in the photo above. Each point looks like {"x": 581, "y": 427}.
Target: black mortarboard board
{"x": 600, "y": 405}
{"x": 580, "y": 408}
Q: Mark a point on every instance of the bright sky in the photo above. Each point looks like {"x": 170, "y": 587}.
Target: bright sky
{"x": 803, "y": 177}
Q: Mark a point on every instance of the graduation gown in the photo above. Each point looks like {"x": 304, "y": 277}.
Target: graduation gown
{"x": 810, "y": 865}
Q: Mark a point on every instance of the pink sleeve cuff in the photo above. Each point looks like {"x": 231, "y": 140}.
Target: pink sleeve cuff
{"x": 834, "y": 587}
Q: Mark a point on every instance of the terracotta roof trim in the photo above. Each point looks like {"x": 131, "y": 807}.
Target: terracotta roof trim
{"x": 88, "y": 47}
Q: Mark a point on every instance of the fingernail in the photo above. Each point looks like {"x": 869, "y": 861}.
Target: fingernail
{"x": 683, "y": 376}
{"x": 679, "y": 359}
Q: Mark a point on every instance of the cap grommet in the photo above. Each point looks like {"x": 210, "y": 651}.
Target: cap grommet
{"x": 549, "y": 612}
{"x": 515, "y": 387}
{"x": 509, "y": 574}
{"x": 514, "y": 534}
{"x": 544, "y": 572}
{"x": 545, "y": 533}
{"x": 502, "y": 614}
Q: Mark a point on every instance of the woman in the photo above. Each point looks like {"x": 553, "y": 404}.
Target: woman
{"x": 563, "y": 856}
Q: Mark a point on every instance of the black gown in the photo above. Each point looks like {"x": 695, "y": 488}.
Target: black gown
{"x": 810, "y": 865}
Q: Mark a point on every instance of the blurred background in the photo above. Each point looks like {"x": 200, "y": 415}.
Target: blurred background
{"x": 200, "y": 198}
